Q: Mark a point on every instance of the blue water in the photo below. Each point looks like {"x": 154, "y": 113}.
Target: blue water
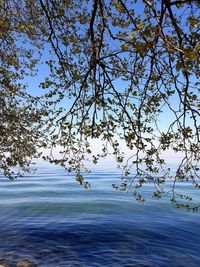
{"x": 48, "y": 220}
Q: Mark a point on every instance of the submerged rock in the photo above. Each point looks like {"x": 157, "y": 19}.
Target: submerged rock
{"x": 26, "y": 263}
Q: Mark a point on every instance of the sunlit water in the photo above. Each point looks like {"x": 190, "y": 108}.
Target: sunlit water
{"x": 48, "y": 220}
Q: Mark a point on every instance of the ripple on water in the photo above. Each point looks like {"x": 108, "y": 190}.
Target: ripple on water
{"x": 48, "y": 220}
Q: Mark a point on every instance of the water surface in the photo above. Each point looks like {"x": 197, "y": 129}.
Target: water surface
{"x": 49, "y": 220}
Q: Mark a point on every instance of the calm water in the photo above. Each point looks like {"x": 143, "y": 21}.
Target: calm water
{"x": 49, "y": 220}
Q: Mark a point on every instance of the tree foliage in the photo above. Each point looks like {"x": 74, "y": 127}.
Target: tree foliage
{"x": 114, "y": 68}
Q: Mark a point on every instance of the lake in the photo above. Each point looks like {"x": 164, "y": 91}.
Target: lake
{"x": 47, "y": 219}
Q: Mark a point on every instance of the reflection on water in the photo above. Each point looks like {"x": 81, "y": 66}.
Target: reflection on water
{"x": 48, "y": 220}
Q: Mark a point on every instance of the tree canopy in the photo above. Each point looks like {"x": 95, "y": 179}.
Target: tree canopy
{"x": 117, "y": 71}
